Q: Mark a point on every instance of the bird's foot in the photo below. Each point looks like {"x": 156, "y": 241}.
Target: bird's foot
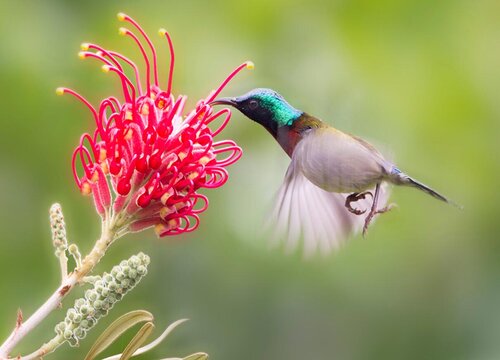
{"x": 386, "y": 208}
{"x": 372, "y": 214}
{"x": 353, "y": 198}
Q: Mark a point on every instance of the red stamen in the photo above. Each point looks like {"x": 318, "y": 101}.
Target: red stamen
{"x": 247, "y": 64}
{"x": 89, "y": 54}
{"x": 62, "y": 90}
{"x": 224, "y": 122}
{"x": 134, "y": 68}
{"x": 124, "y": 31}
{"x": 233, "y": 157}
{"x": 115, "y": 101}
{"x": 176, "y": 230}
{"x": 97, "y": 200}
{"x": 195, "y": 202}
{"x": 218, "y": 177}
{"x": 103, "y": 188}
{"x": 125, "y": 81}
{"x": 144, "y": 224}
{"x": 87, "y": 137}
{"x": 143, "y": 33}
{"x": 86, "y": 54}
{"x": 81, "y": 151}
{"x": 165, "y": 33}
{"x": 86, "y": 46}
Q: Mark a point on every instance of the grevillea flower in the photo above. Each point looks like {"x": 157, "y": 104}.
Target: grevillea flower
{"x": 146, "y": 161}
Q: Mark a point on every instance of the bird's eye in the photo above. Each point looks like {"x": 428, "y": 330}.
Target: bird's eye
{"x": 253, "y": 104}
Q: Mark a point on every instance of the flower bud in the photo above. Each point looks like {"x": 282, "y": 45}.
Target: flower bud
{"x": 58, "y": 228}
{"x": 101, "y": 298}
{"x": 67, "y": 334}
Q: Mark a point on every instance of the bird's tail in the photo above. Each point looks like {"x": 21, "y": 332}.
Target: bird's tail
{"x": 401, "y": 178}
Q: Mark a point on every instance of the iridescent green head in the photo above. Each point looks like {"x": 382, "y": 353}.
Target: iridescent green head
{"x": 264, "y": 106}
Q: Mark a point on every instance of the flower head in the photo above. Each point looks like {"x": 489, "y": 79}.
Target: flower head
{"x": 146, "y": 161}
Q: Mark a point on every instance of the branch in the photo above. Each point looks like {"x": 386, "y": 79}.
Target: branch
{"x": 22, "y": 329}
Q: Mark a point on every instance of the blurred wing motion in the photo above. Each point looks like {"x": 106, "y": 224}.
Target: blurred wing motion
{"x": 303, "y": 211}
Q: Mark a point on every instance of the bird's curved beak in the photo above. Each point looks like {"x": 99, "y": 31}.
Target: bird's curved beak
{"x": 224, "y": 101}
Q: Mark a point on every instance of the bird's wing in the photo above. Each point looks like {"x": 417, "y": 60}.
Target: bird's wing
{"x": 307, "y": 214}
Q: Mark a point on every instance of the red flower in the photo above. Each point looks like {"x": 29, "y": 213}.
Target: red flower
{"x": 145, "y": 162}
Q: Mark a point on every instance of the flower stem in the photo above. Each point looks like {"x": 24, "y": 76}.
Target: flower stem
{"x": 108, "y": 235}
{"x": 45, "y": 349}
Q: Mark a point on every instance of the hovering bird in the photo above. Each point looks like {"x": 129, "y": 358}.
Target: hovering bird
{"x": 329, "y": 171}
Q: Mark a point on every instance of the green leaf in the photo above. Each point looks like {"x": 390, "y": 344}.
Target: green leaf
{"x": 153, "y": 343}
{"x": 118, "y": 327}
{"x": 139, "y": 339}
{"x": 197, "y": 356}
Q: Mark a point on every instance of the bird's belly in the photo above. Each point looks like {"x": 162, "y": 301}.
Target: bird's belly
{"x": 337, "y": 167}
{"x": 337, "y": 162}
{"x": 341, "y": 178}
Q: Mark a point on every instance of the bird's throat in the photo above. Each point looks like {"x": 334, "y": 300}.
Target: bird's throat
{"x": 289, "y": 136}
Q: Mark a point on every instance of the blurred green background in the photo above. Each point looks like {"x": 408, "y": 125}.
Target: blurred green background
{"x": 421, "y": 78}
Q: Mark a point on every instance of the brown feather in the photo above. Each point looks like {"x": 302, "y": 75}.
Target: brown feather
{"x": 289, "y": 136}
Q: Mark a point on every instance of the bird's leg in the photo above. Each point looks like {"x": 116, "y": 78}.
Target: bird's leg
{"x": 353, "y": 198}
{"x": 374, "y": 211}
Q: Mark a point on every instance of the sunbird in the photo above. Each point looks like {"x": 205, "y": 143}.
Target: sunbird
{"x": 329, "y": 171}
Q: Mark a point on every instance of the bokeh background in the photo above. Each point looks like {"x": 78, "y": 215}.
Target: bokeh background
{"x": 420, "y": 78}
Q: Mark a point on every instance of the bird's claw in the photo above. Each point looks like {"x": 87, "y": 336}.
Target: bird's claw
{"x": 386, "y": 208}
{"x": 372, "y": 214}
{"x": 353, "y": 198}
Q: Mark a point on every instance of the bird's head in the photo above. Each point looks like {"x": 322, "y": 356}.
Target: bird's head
{"x": 264, "y": 106}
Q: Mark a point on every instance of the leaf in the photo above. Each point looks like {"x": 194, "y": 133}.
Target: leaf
{"x": 153, "y": 343}
{"x": 118, "y": 327}
{"x": 139, "y": 339}
{"x": 197, "y": 356}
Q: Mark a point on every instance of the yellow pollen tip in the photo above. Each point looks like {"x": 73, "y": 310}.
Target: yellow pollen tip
{"x": 162, "y": 32}
{"x": 250, "y": 65}
{"x": 81, "y": 55}
{"x": 165, "y": 211}
{"x": 179, "y": 205}
{"x": 86, "y": 189}
{"x": 121, "y": 16}
{"x": 164, "y": 198}
{"x": 128, "y": 135}
{"x": 102, "y": 154}
{"x": 122, "y": 31}
{"x": 144, "y": 110}
{"x": 160, "y": 228}
{"x": 60, "y": 91}
{"x": 85, "y": 46}
{"x": 204, "y": 160}
{"x": 106, "y": 68}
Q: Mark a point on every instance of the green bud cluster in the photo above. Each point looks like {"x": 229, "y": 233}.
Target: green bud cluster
{"x": 58, "y": 228}
{"x": 105, "y": 293}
